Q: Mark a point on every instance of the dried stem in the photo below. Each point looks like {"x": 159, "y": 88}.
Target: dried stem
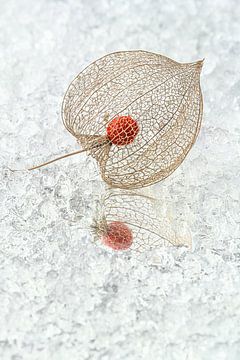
{"x": 102, "y": 144}
{"x": 56, "y": 159}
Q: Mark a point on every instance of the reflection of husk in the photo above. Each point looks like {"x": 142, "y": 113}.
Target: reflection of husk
{"x": 139, "y": 212}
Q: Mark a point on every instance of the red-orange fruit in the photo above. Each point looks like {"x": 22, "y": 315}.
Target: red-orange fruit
{"x": 122, "y": 130}
{"x": 118, "y": 236}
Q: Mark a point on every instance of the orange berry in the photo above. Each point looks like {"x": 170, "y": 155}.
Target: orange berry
{"x": 122, "y": 130}
{"x": 118, "y": 236}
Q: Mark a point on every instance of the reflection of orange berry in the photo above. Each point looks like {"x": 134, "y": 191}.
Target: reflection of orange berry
{"x": 122, "y": 130}
{"x": 118, "y": 236}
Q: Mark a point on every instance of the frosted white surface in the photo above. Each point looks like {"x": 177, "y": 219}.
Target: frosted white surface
{"x": 63, "y": 297}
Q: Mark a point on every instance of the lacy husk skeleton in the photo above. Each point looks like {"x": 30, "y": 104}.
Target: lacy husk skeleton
{"x": 163, "y": 96}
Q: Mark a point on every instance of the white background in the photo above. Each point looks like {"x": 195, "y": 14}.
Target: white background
{"x": 61, "y": 295}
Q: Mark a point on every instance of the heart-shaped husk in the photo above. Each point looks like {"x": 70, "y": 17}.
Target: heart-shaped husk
{"x": 163, "y": 96}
